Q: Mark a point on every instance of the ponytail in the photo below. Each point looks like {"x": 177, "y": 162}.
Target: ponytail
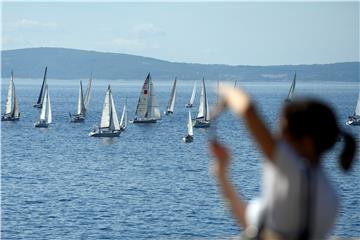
{"x": 347, "y": 156}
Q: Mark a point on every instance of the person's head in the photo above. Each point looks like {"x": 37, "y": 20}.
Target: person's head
{"x": 311, "y": 128}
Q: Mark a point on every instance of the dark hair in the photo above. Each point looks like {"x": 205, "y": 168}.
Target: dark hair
{"x": 316, "y": 120}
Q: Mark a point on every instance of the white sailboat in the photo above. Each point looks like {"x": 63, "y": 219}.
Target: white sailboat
{"x": 189, "y": 137}
{"x": 40, "y": 100}
{"x": 291, "y": 90}
{"x": 12, "y": 110}
{"x": 171, "y": 103}
{"x": 147, "y": 110}
{"x": 355, "y": 119}
{"x": 191, "y": 102}
{"x": 203, "y": 118}
{"x": 109, "y": 125}
{"x": 45, "y": 114}
{"x": 79, "y": 116}
{"x": 124, "y": 117}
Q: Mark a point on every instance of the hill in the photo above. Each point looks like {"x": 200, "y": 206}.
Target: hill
{"x": 74, "y": 64}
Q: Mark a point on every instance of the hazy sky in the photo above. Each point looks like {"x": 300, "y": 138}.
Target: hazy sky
{"x": 231, "y": 33}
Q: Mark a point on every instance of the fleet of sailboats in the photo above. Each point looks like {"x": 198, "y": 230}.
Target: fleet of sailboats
{"x": 171, "y": 103}
{"x": 45, "y": 113}
{"x": 83, "y": 102}
{"x": 291, "y": 90}
{"x": 109, "y": 124}
{"x": 147, "y": 109}
{"x": 189, "y": 137}
{"x": 203, "y": 118}
{"x": 40, "y": 100}
{"x": 192, "y": 99}
{"x": 355, "y": 118}
{"x": 12, "y": 110}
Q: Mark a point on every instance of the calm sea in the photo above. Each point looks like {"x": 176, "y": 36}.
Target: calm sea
{"x": 58, "y": 183}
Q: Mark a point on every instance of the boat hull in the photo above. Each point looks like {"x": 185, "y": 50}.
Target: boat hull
{"x": 143, "y": 120}
{"x": 354, "y": 121}
{"x": 37, "y": 105}
{"x": 77, "y": 118}
{"x": 168, "y": 112}
{"x": 188, "y": 139}
{"x": 41, "y": 124}
{"x": 201, "y": 123}
{"x": 9, "y": 118}
{"x": 189, "y": 105}
{"x": 104, "y": 133}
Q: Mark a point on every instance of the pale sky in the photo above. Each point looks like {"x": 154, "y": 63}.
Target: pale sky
{"x": 237, "y": 33}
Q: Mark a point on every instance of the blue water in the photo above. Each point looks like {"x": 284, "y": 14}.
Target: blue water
{"x": 58, "y": 183}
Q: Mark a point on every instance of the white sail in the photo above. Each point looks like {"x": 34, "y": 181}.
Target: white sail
{"x": 88, "y": 93}
{"x": 16, "y": 106}
{"x": 10, "y": 97}
{"x": 204, "y": 105}
{"x": 142, "y": 106}
{"x": 105, "y": 117}
{"x": 171, "y": 103}
{"x": 81, "y": 106}
{"x": 357, "y": 109}
{"x": 190, "y": 125}
{"x": 48, "y": 107}
{"x": 292, "y": 88}
{"x": 124, "y": 120}
{"x": 153, "y": 106}
{"x": 193, "y": 94}
{"x": 114, "y": 117}
{"x": 43, "y": 112}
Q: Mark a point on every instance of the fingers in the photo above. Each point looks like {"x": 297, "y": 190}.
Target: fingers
{"x": 235, "y": 98}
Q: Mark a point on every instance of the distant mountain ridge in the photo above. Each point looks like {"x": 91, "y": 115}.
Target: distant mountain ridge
{"x": 64, "y": 63}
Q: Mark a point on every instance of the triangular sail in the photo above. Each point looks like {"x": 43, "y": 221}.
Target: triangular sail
{"x": 88, "y": 93}
{"x": 190, "y": 125}
{"x": 48, "y": 107}
{"x": 42, "y": 93}
{"x": 153, "y": 106}
{"x": 292, "y": 88}
{"x": 193, "y": 94}
{"x": 9, "y": 107}
{"x": 124, "y": 120}
{"x": 204, "y": 105}
{"x": 114, "y": 118}
{"x": 105, "y": 116}
{"x": 142, "y": 106}
{"x": 171, "y": 103}
{"x": 16, "y": 106}
{"x": 357, "y": 109}
{"x": 81, "y": 105}
{"x": 43, "y": 113}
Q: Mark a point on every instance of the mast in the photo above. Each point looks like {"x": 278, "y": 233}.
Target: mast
{"x": 41, "y": 95}
{"x": 171, "y": 103}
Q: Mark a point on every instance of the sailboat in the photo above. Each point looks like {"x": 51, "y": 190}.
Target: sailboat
{"x": 40, "y": 100}
{"x": 109, "y": 125}
{"x": 191, "y": 102}
{"x": 355, "y": 119}
{"x": 171, "y": 103}
{"x": 88, "y": 93}
{"x": 12, "y": 110}
{"x": 203, "y": 118}
{"x": 147, "y": 110}
{"x": 291, "y": 90}
{"x": 124, "y": 118}
{"x": 189, "y": 137}
{"x": 79, "y": 116}
{"x": 45, "y": 114}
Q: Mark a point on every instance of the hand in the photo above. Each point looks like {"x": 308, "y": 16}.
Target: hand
{"x": 222, "y": 156}
{"x": 235, "y": 98}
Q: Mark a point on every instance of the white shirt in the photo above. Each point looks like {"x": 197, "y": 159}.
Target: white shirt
{"x": 284, "y": 194}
